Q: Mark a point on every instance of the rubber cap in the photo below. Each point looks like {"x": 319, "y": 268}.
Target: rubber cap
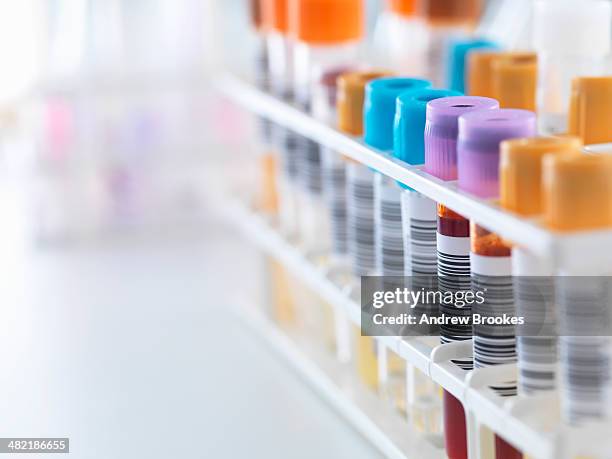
{"x": 480, "y": 135}
{"x": 521, "y": 170}
{"x": 457, "y": 56}
{"x": 578, "y": 191}
{"x": 450, "y": 12}
{"x": 590, "y": 114}
{"x": 441, "y": 132}
{"x": 326, "y": 22}
{"x": 255, "y": 10}
{"x": 274, "y": 14}
{"x": 515, "y": 79}
{"x": 409, "y": 127}
{"x": 572, "y": 27}
{"x": 379, "y": 108}
{"x": 350, "y": 97}
{"x": 403, "y": 7}
{"x": 325, "y": 91}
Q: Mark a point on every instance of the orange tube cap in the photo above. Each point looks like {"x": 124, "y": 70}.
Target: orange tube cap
{"x": 590, "y": 115}
{"x": 578, "y": 191}
{"x": 326, "y": 22}
{"x": 350, "y": 98}
{"x": 521, "y": 170}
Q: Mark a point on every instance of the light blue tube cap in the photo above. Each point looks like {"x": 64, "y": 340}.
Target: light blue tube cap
{"x": 409, "y": 126}
{"x": 379, "y": 108}
{"x": 457, "y": 55}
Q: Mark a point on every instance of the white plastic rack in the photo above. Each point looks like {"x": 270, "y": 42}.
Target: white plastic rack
{"x": 590, "y": 248}
{"x": 531, "y": 424}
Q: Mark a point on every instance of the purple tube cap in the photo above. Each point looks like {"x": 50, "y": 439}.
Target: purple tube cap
{"x": 480, "y": 134}
{"x": 441, "y": 132}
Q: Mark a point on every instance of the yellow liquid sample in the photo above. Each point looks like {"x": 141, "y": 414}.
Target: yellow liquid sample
{"x": 367, "y": 361}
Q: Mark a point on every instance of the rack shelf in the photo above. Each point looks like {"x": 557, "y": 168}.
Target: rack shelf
{"x": 586, "y": 251}
{"x": 532, "y": 424}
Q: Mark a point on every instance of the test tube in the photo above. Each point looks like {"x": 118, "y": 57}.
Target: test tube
{"x": 446, "y": 20}
{"x": 452, "y": 241}
{"x": 578, "y": 196}
{"x": 327, "y": 35}
{"x": 480, "y": 135}
{"x": 572, "y": 38}
{"x": 419, "y": 238}
{"x": 591, "y": 109}
{"x": 359, "y": 207}
{"x": 280, "y": 63}
{"x": 521, "y": 192}
{"x": 379, "y": 115}
{"x": 458, "y": 55}
{"x": 397, "y": 25}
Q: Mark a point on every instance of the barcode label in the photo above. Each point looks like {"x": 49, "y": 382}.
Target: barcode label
{"x": 494, "y": 344}
{"x": 388, "y": 232}
{"x": 536, "y": 344}
{"x": 309, "y": 165}
{"x": 360, "y": 219}
{"x": 585, "y": 346}
{"x": 453, "y": 276}
{"x": 335, "y": 190}
{"x": 419, "y": 224}
{"x": 287, "y": 144}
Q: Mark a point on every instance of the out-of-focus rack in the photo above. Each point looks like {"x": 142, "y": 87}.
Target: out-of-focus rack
{"x": 532, "y": 424}
{"x": 582, "y": 251}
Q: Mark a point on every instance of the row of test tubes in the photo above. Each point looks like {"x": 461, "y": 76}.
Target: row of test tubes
{"x": 362, "y": 223}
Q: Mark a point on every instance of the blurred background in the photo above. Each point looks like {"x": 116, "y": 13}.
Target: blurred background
{"x": 115, "y": 277}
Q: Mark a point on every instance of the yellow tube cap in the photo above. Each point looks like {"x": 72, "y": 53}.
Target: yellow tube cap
{"x": 578, "y": 191}
{"x": 515, "y": 79}
{"x": 521, "y": 170}
{"x": 350, "y": 98}
{"x": 590, "y": 115}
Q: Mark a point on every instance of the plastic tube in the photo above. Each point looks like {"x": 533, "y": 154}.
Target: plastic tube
{"x": 521, "y": 192}
{"x": 578, "y": 196}
{"x": 453, "y": 241}
{"x": 327, "y": 35}
{"x": 446, "y": 20}
{"x": 419, "y": 232}
{"x": 379, "y": 116}
{"x": 572, "y": 39}
{"x": 480, "y": 135}
{"x": 397, "y": 25}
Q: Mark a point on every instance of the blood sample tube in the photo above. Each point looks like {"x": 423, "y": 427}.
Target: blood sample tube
{"x": 397, "y": 25}
{"x": 327, "y": 35}
{"x": 480, "y": 135}
{"x": 521, "y": 192}
{"x": 359, "y": 207}
{"x": 453, "y": 241}
{"x": 419, "y": 233}
{"x": 446, "y": 20}
{"x": 572, "y": 39}
{"x": 379, "y": 115}
{"x": 591, "y": 109}
{"x": 458, "y": 55}
{"x": 578, "y": 196}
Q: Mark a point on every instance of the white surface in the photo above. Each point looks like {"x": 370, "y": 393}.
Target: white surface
{"x": 127, "y": 348}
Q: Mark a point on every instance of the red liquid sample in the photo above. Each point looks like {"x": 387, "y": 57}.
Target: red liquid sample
{"x": 455, "y": 432}
{"x": 504, "y": 450}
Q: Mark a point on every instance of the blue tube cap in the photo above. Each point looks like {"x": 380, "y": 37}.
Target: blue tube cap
{"x": 409, "y": 127}
{"x": 379, "y": 108}
{"x": 457, "y": 55}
